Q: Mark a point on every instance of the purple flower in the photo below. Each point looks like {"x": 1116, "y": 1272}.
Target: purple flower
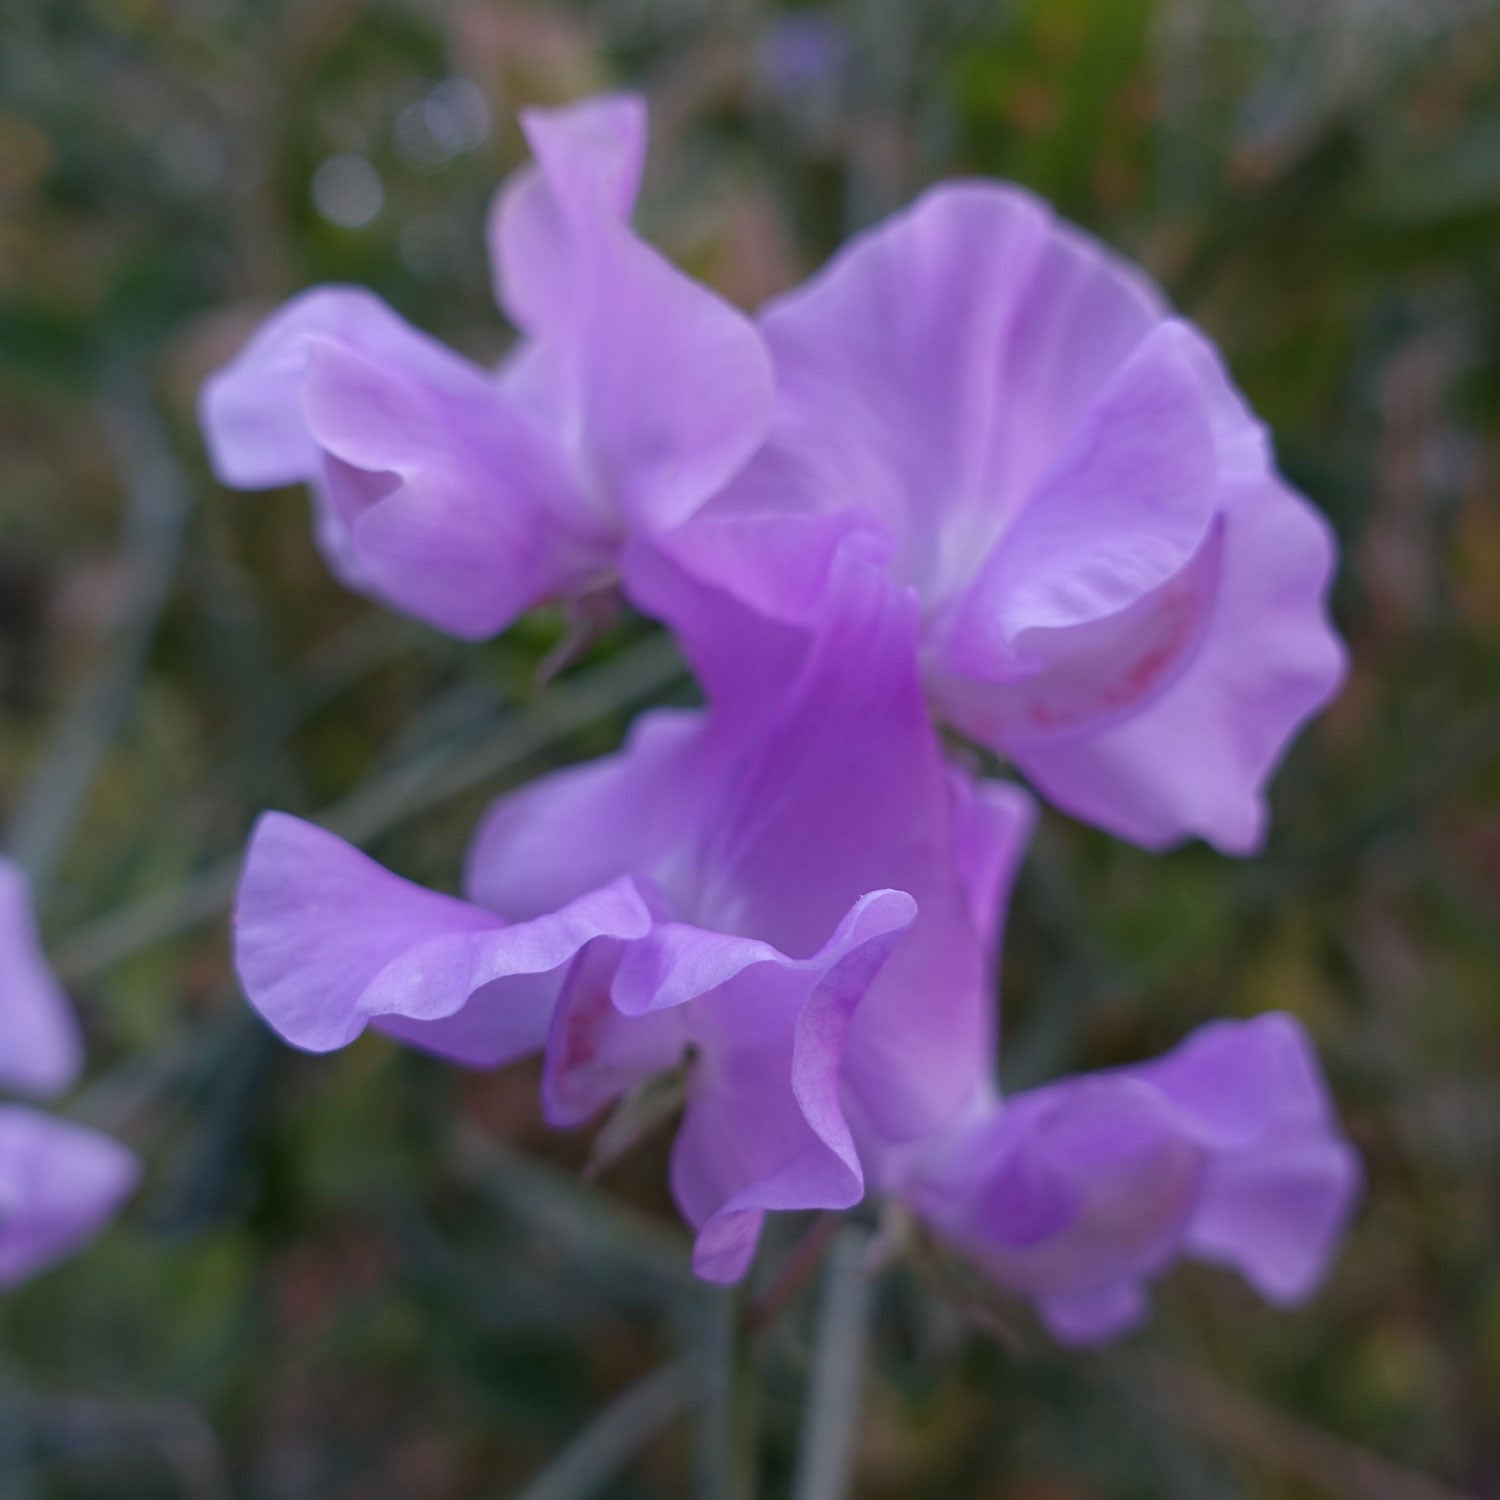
{"x": 59, "y": 1182}
{"x": 463, "y": 495}
{"x": 1079, "y": 1193}
{"x": 791, "y": 893}
{"x": 41, "y": 1052}
{"x": 1118, "y": 591}
{"x": 995, "y": 479}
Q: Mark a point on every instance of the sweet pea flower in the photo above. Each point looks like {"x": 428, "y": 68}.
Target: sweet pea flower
{"x": 1119, "y": 593}
{"x": 464, "y": 495}
{"x": 1079, "y": 1193}
{"x": 791, "y": 894}
{"x": 60, "y": 1183}
{"x": 975, "y": 469}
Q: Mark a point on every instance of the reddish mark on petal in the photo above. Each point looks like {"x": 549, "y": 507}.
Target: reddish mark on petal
{"x": 1176, "y": 624}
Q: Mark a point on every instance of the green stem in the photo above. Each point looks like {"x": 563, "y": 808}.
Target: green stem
{"x": 615, "y": 1436}
{"x": 726, "y": 1403}
{"x": 830, "y": 1428}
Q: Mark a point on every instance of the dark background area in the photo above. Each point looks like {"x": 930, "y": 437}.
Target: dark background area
{"x": 369, "y": 1277}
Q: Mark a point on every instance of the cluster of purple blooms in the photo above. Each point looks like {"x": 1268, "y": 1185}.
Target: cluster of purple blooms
{"x": 973, "y": 476}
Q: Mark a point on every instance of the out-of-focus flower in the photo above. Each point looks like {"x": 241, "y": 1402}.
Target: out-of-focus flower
{"x": 1118, "y": 591}
{"x": 463, "y": 495}
{"x": 41, "y": 1052}
{"x": 802, "y": 65}
{"x": 1079, "y": 1193}
{"x": 60, "y": 1183}
{"x": 803, "y": 52}
{"x": 793, "y": 893}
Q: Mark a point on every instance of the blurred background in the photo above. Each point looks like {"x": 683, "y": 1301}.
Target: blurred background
{"x": 371, "y": 1276}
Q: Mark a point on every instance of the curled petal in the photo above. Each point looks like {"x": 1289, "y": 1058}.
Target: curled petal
{"x": 1097, "y": 595}
{"x": 676, "y": 964}
{"x": 327, "y": 942}
{"x": 41, "y": 1051}
{"x": 1080, "y": 1192}
{"x": 588, "y": 167}
{"x": 764, "y": 1129}
{"x": 458, "y": 512}
{"x": 434, "y": 491}
{"x": 252, "y": 409}
{"x": 1072, "y": 683}
{"x": 1122, "y": 510}
{"x": 1196, "y": 760}
{"x": 662, "y": 388}
{"x": 60, "y": 1183}
{"x": 1281, "y": 1181}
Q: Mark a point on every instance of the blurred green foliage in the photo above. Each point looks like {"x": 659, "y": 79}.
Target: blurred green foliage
{"x": 369, "y": 1276}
